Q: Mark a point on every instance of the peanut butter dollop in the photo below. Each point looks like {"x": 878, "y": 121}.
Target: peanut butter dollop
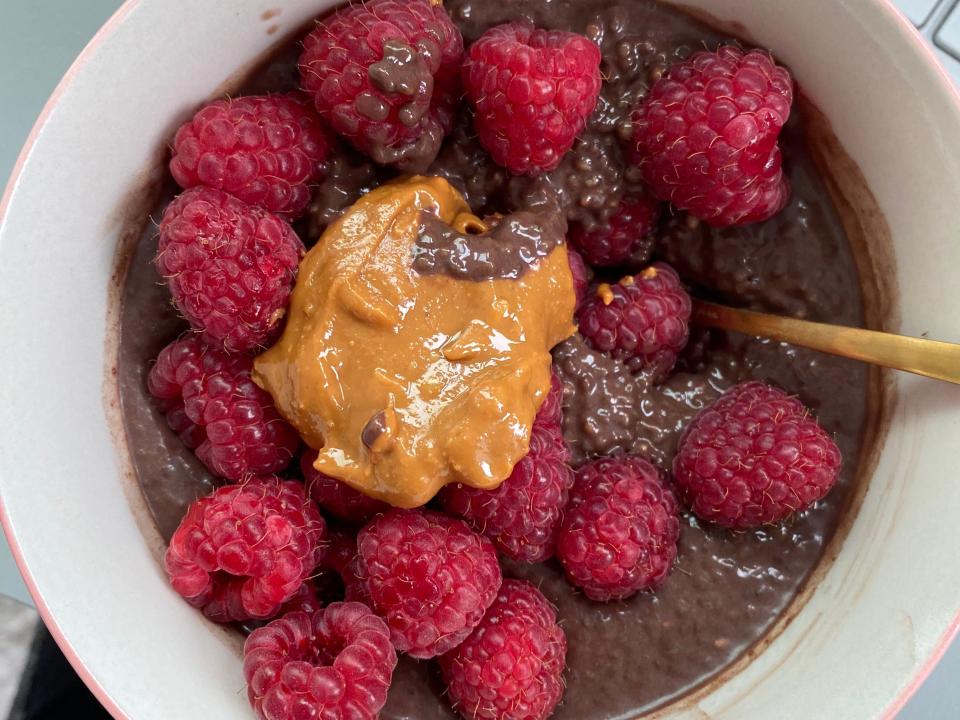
{"x": 405, "y": 381}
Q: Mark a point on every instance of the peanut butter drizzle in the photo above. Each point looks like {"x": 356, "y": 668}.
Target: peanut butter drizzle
{"x": 405, "y": 382}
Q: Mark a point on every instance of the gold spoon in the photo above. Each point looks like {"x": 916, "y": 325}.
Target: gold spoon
{"x": 932, "y": 358}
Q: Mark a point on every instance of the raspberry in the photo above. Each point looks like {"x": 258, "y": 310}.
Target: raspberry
{"x": 354, "y": 587}
{"x": 244, "y": 550}
{"x": 233, "y": 424}
{"x": 230, "y": 267}
{"x": 341, "y": 550}
{"x": 263, "y": 150}
{"x": 521, "y": 516}
{"x": 226, "y": 607}
{"x": 550, "y": 413}
{"x": 337, "y": 497}
{"x": 532, "y": 91}
{"x": 619, "y": 533}
{"x": 384, "y": 74}
{"x": 306, "y": 599}
{"x": 337, "y": 578}
{"x": 191, "y": 434}
{"x": 579, "y": 272}
{"x": 511, "y": 665}
{"x": 753, "y": 458}
{"x": 626, "y": 231}
{"x": 336, "y": 663}
{"x": 643, "y": 319}
{"x": 706, "y": 136}
{"x": 429, "y": 576}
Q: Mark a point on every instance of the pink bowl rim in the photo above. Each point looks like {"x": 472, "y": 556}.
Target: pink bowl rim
{"x": 106, "y": 30}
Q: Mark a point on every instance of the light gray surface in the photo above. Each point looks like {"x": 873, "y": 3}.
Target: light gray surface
{"x": 38, "y": 41}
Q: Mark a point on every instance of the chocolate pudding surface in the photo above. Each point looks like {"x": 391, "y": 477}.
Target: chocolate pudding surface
{"x": 727, "y": 589}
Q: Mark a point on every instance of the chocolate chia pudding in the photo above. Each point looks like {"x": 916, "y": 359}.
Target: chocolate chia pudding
{"x": 727, "y": 589}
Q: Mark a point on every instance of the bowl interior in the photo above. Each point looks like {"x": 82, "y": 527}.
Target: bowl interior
{"x": 65, "y": 480}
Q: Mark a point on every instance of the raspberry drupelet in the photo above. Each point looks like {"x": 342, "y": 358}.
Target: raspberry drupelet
{"x": 620, "y": 530}
{"x": 511, "y": 666}
{"x": 429, "y": 576}
{"x": 643, "y": 319}
{"x": 230, "y": 267}
{"x": 335, "y": 663}
{"x": 384, "y": 74}
{"x": 264, "y": 150}
{"x": 213, "y": 404}
{"x": 532, "y": 91}
{"x": 337, "y": 497}
{"x": 244, "y": 550}
{"x": 521, "y": 516}
{"x": 353, "y": 586}
{"x": 628, "y": 228}
{"x": 306, "y": 599}
{"x": 754, "y": 457}
{"x": 578, "y": 270}
{"x": 706, "y": 136}
{"x": 332, "y": 574}
{"x": 341, "y": 549}
{"x": 228, "y": 608}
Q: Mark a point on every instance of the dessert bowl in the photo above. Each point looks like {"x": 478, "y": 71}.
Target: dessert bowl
{"x": 876, "y": 614}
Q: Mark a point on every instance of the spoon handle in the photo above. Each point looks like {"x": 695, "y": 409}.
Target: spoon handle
{"x": 931, "y": 358}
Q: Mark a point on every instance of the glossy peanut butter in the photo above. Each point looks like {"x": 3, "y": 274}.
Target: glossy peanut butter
{"x": 405, "y": 380}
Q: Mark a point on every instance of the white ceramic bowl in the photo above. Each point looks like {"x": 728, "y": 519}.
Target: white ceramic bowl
{"x": 868, "y": 632}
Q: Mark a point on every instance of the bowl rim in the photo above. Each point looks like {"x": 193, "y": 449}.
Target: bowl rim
{"x": 112, "y": 25}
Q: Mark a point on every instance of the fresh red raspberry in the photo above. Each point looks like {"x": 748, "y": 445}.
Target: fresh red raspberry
{"x": 226, "y": 607}
{"x": 337, "y": 573}
{"x": 532, "y": 91}
{"x": 306, "y": 599}
{"x": 706, "y": 136}
{"x": 180, "y": 363}
{"x": 229, "y": 266}
{"x": 264, "y": 150}
{"x": 235, "y": 427}
{"x": 429, "y": 576}
{"x": 615, "y": 242}
{"x": 511, "y": 665}
{"x": 341, "y": 550}
{"x": 337, "y": 497}
{"x": 579, "y": 272}
{"x": 550, "y": 413}
{"x": 183, "y": 362}
{"x": 619, "y": 533}
{"x": 354, "y": 588}
{"x": 336, "y": 663}
{"x": 244, "y": 550}
{"x": 754, "y": 457}
{"x": 191, "y": 434}
{"x": 384, "y": 74}
{"x": 643, "y": 319}
{"x": 521, "y": 516}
